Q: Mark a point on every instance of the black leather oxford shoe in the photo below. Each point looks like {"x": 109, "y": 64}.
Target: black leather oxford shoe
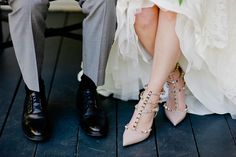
{"x": 34, "y": 118}
{"x": 92, "y": 119}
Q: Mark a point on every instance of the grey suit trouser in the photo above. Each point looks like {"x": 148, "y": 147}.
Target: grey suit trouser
{"x": 27, "y": 26}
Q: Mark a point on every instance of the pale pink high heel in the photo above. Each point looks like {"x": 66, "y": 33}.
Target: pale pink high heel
{"x": 140, "y": 125}
{"x": 175, "y": 107}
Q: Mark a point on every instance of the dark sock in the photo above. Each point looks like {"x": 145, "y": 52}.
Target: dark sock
{"x": 87, "y": 83}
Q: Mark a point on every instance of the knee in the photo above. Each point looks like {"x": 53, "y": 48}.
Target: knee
{"x": 97, "y": 5}
{"x": 32, "y": 6}
{"x": 168, "y": 15}
{"x": 107, "y": 4}
{"x": 148, "y": 17}
{"x": 39, "y": 5}
{"x": 108, "y": 1}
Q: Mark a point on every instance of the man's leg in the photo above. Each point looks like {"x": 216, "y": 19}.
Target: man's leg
{"x": 27, "y": 25}
{"x": 98, "y": 35}
{"x": 99, "y": 30}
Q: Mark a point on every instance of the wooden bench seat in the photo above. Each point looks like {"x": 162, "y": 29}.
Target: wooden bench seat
{"x": 55, "y": 6}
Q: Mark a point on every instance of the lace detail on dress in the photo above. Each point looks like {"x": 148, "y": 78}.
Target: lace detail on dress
{"x": 207, "y": 35}
{"x": 217, "y": 30}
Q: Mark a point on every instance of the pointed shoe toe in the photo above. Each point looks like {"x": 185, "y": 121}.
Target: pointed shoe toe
{"x": 131, "y": 137}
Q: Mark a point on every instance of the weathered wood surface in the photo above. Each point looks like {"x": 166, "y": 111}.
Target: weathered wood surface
{"x": 205, "y": 136}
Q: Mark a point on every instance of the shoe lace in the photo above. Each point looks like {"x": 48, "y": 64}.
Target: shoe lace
{"x": 90, "y": 99}
{"x": 36, "y": 103}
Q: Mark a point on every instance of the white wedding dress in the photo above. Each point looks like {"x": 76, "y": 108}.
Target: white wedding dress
{"x": 207, "y": 33}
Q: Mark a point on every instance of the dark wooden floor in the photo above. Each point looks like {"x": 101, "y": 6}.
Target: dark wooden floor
{"x": 205, "y": 136}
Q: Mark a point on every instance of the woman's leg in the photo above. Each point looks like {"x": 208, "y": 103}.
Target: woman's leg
{"x": 146, "y": 27}
{"x": 166, "y": 55}
{"x": 159, "y": 38}
{"x": 156, "y": 31}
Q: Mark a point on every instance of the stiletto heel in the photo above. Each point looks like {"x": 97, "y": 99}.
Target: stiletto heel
{"x": 139, "y": 127}
{"x": 175, "y": 107}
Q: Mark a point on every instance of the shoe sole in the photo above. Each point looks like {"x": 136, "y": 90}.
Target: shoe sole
{"x": 95, "y": 134}
{"x": 36, "y": 138}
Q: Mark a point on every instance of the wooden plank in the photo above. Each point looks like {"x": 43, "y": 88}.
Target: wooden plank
{"x": 146, "y": 148}
{"x": 174, "y": 141}
{"x": 9, "y": 79}
{"x": 10, "y": 76}
{"x": 100, "y": 147}
{"x": 213, "y": 136}
{"x": 232, "y": 126}
{"x": 52, "y": 48}
{"x": 62, "y": 110}
{"x": 5, "y": 27}
{"x": 13, "y": 141}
